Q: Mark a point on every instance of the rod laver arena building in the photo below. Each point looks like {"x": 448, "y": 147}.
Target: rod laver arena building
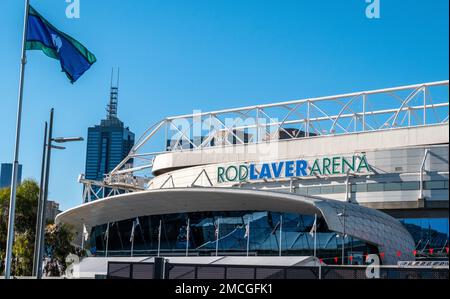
{"x": 372, "y": 166}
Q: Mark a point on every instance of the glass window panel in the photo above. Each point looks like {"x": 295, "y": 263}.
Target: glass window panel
{"x": 434, "y": 185}
{"x": 359, "y": 188}
{"x": 313, "y": 190}
{"x": 410, "y": 186}
{"x": 302, "y": 191}
{"x": 375, "y": 187}
{"x": 326, "y": 189}
{"x": 339, "y": 189}
{"x": 392, "y": 186}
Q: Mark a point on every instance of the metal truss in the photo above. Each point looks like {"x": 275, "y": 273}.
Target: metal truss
{"x": 93, "y": 190}
{"x": 366, "y": 111}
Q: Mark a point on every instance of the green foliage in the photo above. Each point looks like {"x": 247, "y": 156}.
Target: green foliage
{"x": 58, "y": 247}
{"x": 58, "y": 238}
{"x": 25, "y": 225}
{"x": 23, "y": 253}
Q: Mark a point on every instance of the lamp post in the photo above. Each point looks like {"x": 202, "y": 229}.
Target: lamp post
{"x": 43, "y": 194}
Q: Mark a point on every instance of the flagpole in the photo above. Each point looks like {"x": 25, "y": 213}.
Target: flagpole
{"x": 217, "y": 236}
{"x": 82, "y": 239}
{"x": 315, "y": 237}
{"x": 107, "y": 240}
{"x": 132, "y": 238}
{"x": 12, "y": 200}
{"x": 187, "y": 237}
{"x": 281, "y": 230}
{"x": 159, "y": 236}
{"x": 248, "y": 236}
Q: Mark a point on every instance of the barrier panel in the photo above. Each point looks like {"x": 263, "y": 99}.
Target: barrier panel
{"x": 129, "y": 270}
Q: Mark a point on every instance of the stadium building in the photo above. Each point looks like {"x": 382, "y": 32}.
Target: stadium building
{"x": 339, "y": 177}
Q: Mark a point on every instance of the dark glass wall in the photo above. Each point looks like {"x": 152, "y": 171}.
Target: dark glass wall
{"x": 263, "y": 228}
{"x": 429, "y": 234}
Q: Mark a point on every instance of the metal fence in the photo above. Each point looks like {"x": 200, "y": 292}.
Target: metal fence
{"x": 129, "y": 270}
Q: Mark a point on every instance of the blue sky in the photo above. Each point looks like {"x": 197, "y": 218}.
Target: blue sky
{"x": 176, "y": 56}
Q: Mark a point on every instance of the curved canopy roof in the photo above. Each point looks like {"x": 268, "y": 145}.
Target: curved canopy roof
{"x": 363, "y": 223}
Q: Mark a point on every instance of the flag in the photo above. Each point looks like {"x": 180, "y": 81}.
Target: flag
{"x": 74, "y": 58}
{"x": 85, "y": 233}
{"x": 132, "y": 231}
{"x": 247, "y": 230}
{"x": 314, "y": 227}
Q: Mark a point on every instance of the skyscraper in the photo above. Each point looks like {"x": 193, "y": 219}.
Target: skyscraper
{"x": 108, "y": 143}
{"x": 6, "y": 173}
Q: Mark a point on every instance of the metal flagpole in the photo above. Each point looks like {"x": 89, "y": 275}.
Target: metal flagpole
{"x": 82, "y": 241}
{"x": 248, "y": 236}
{"x": 107, "y": 240}
{"x": 187, "y": 237}
{"x": 217, "y": 236}
{"x": 281, "y": 230}
{"x": 159, "y": 236}
{"x": 315, "y": 237}
{"x": 12, "y": 200}
{"x": 132, "y": 237}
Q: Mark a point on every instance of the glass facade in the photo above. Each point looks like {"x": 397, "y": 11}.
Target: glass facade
{"x": 107, "y": 145}
{"x": 263, "y": 227}
{"x": 428, "y": 233}
{"x": 373, "y": 187}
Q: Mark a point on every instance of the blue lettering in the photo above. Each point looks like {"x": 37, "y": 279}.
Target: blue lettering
{"x": 277, "y": 167}
{"x": 265, "y": 172}
{"x": 253, "y": 175}
{"x": 301, "y": 166}
{"x": 289, "y": 169}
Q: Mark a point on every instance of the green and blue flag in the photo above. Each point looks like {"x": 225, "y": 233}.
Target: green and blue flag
{"x": 75, "y": 59}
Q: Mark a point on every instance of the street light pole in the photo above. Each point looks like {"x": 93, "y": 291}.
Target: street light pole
{"x": 43, "y": 193}
{"x": 44, "y": 201}
{"x": 37, "y": 238}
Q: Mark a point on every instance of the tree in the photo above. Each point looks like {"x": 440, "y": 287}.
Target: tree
{"x": 58, "y": 246}
{"x": 23, "y": 253}
{"x": 58, "y": 238}
{"x": 24, "y": 229}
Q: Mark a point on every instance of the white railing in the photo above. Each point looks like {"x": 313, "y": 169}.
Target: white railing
{"x": 366, "y": 111}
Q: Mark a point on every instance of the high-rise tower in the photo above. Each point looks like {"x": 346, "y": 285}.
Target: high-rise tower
{"x": 108, "y": 143}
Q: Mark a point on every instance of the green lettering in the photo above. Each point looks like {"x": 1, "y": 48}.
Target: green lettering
{"x": 315, "y": 168}
{"x": 335, "y": 164}
{"x": 243, "y": 172}
{"x": 227, "y": 174}
{"x": 346, "y": 163}
{"x": 220, "y": 172}
{"x": 326, "y": 166}
{"x": 363, "y": 164}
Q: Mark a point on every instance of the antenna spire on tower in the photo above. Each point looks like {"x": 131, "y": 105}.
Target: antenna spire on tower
{"x": 113, "y": 97}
